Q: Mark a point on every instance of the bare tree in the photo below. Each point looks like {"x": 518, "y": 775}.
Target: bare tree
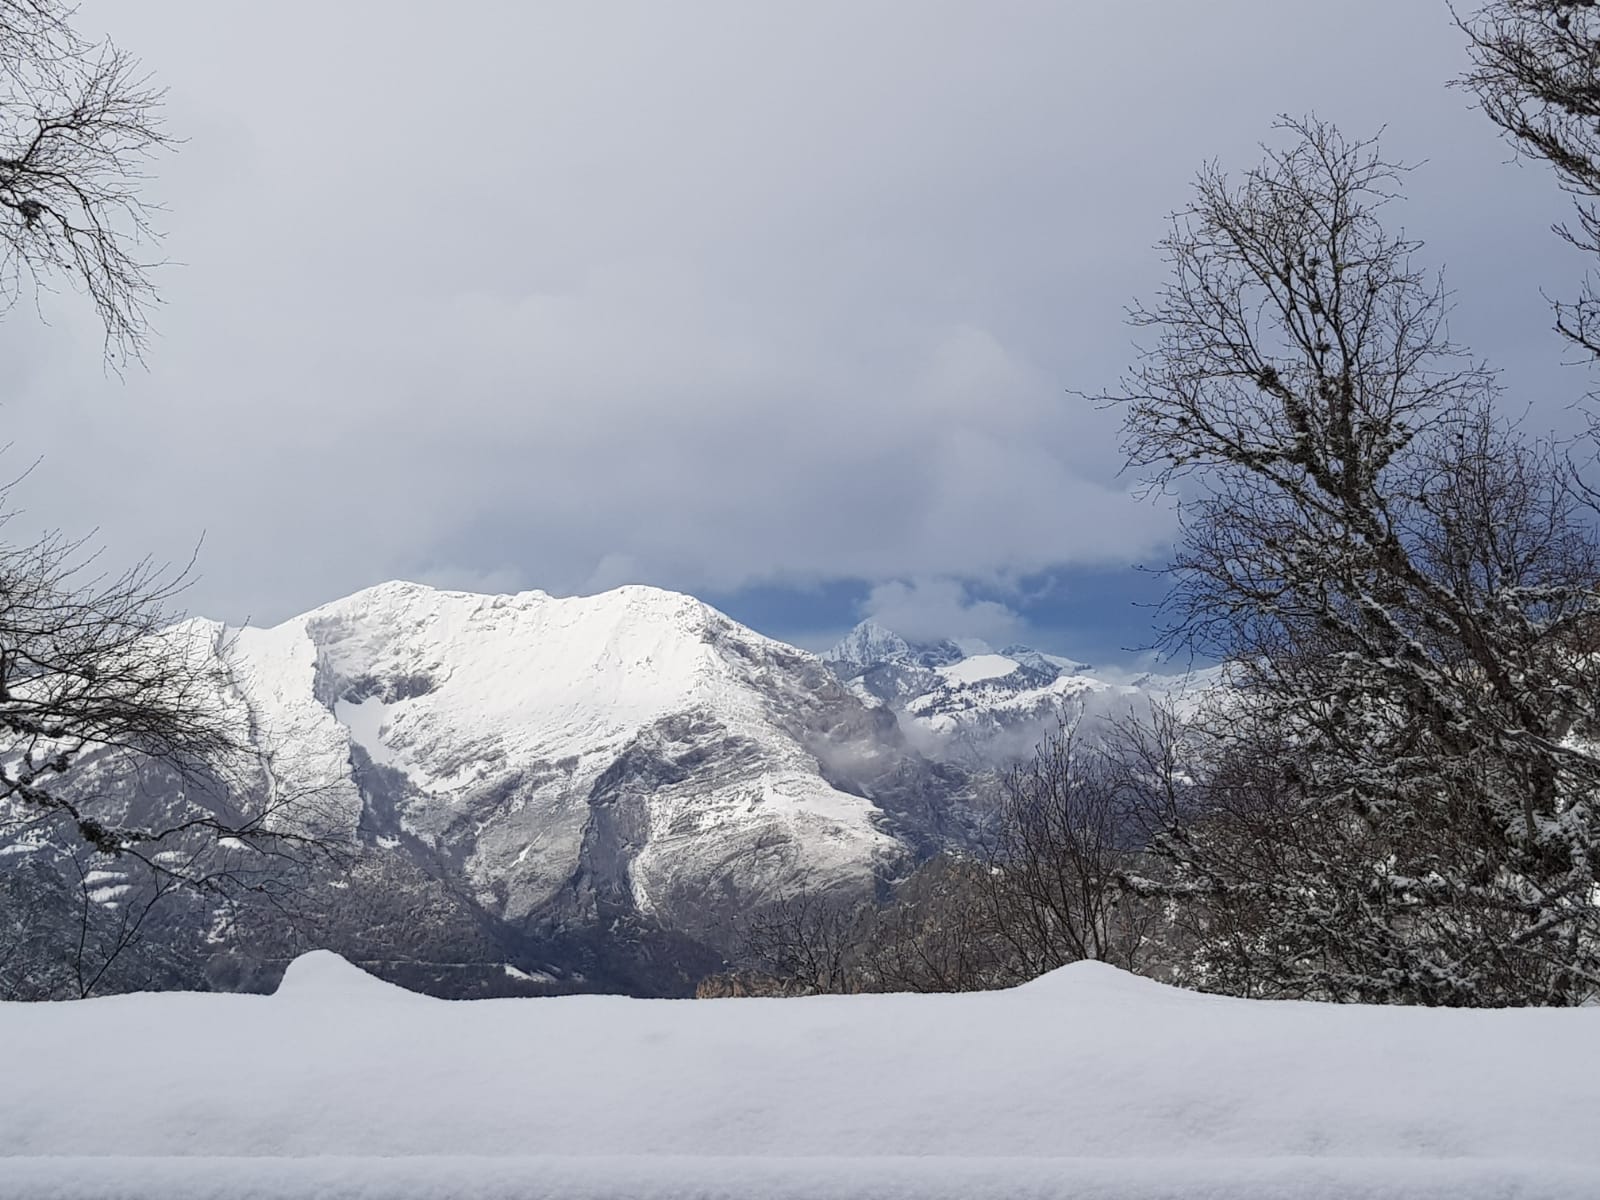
{"x": 78, "y": 122}
{"x": 143, "y": 920}
{"x": 1405, "y": 589}
{"x": 804, "y": 943}
{"x": 123, "y": 750}
{"x": 98, "y": 680}
{"x": 123, "y": 732}
{"x": 1061, "y": 841}
{"x": 935, "y": 934}
{"x": 91, "y": 667}
{"x": 113, "y": 912}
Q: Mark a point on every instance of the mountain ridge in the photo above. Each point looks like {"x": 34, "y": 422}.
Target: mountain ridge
{"x": 976, "y": 706}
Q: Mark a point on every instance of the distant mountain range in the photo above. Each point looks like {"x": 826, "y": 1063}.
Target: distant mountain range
{"x": 965, "y": 702}
{"x": 593, "y": 788}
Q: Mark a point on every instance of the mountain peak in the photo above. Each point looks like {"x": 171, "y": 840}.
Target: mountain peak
{"x": 868, "y": 643}
{"x": 872, "y": 644}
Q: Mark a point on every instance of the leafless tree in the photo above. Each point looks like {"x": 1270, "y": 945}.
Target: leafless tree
{"x": 142, "y": 919}
{"x": 1061, "y": 840}
{"x": 125, "y": 748}
{"x": 935, "y": 934}
{"x": 1403, "y": 586}
{"x": 79, "y": 120}
{"x": 123, "y": 731}
{"x": 805, "y": 942}
{"x": 90, "y": 668}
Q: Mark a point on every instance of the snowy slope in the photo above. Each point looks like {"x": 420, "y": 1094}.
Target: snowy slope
{"x": 1088, "y": 1082}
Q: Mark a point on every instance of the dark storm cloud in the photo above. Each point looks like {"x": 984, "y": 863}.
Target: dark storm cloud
{"x": 701, "y": 294}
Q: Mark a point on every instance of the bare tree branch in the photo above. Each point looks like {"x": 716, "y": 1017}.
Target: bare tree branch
{"x": 79, "y": 121}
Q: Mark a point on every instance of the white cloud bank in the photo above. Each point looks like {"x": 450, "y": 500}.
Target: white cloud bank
{"x": 696, "y": 294}
{"x": 924, "y": 610}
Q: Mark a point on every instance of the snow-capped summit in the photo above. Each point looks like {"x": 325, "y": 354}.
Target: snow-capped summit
{"x": 866, "y": 644}
{"x": 870, "y": 645}
{"x": 411, "y": 669}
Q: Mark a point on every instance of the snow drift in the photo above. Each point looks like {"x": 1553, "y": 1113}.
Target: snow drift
{"x": 1088, "y": 1082}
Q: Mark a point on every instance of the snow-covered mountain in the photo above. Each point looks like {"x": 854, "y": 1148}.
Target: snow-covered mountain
{"x": 516, "y": 729}
{"x": 966, "y": 702}
{"x": 568, "y": 763}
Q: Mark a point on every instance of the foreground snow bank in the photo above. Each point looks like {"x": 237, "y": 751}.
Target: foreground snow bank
{"x": 884, "y": 1178}
{"x": 1087, "y": 1083}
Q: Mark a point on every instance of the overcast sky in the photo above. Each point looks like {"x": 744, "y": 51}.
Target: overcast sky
{"x": 777, "y": 303}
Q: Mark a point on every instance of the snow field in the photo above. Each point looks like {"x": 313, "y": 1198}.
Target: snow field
{"x": 1087, "y": 1083}
{"x": 688, "y": 1178}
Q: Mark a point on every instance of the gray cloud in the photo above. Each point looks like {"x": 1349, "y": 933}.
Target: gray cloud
{"x": 925, "y": 610}
{"x": 701, "y": 294}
